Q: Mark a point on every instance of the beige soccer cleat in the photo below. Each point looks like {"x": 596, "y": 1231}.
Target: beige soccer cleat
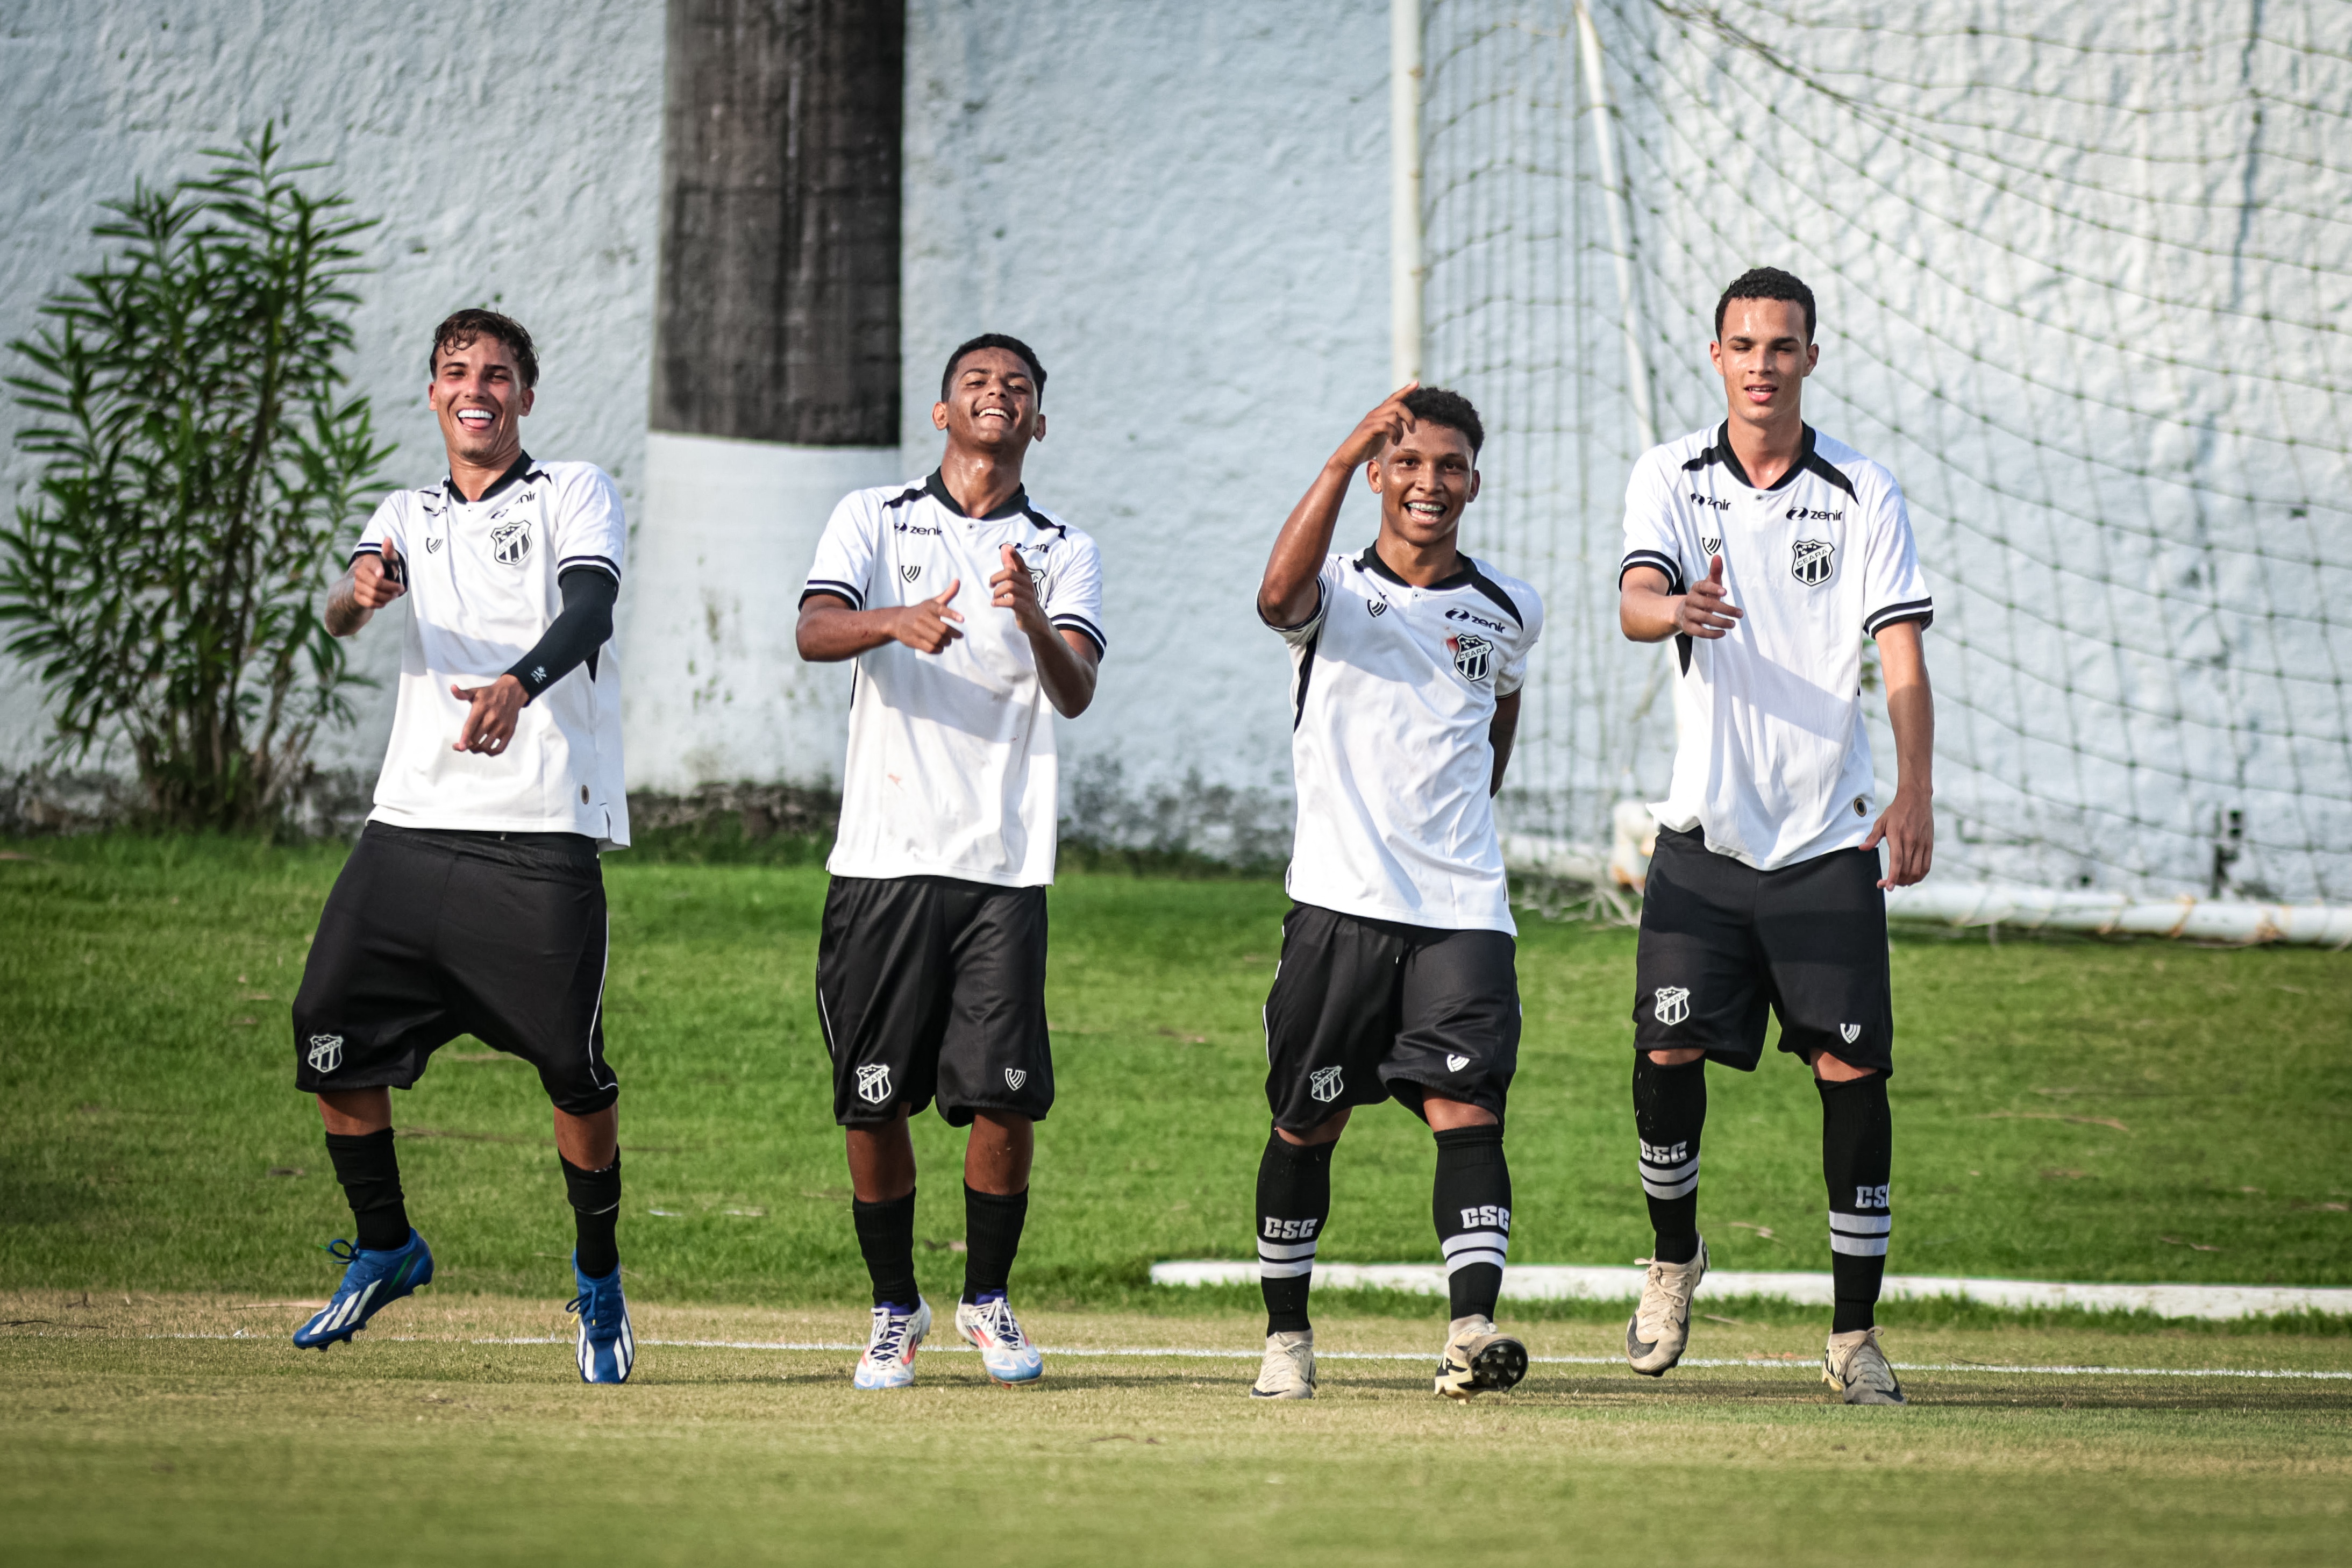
{"x": 1288, "y": 1369}
{"x": 1659, "y": 1330}
{"x": 1477, "y": 1360}
{"x": 1857, "y": 1369}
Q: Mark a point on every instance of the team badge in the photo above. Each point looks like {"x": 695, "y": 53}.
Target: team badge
{"x": 874, "y": 1083}
{"x": 1455, "y": 1064}
{"x": 432, "y": 546}
{"x": 1378, "y": 606}
{"x": 1813, "y": 561}
{"x": 1324, "y": 1084}
{"x": 1472, "y": 656}
{"x": 325, "y": 1052}
{"x": 910, "y": 573}
{"x": 1712, "y": 546}
{"x": 510, "y": 541}
{"x": 1672, "y": 1005}
{"x": 1849, "y": 1032}
{"x": 1014, "y": 1077}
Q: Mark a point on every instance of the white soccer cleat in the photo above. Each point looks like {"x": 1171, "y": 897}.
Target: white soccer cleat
{"x": 1857, "y": 1369}
{"x": 890, "y": 1347}
{"x": 1288, "y": 1369}
{"x": 1659, "y": 1330}
{"x": 1477, "y": 1359}
{"x": 1005, "y": 1351}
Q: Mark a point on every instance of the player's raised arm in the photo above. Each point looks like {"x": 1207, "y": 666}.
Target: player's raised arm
{"x": 1286, "y": 595}
{"x": 1648, "y": 610}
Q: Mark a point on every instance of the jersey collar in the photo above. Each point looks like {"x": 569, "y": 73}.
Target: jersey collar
{"x": 1468, "y": 577}
{"x": 521, "y": 467}
{"x": 1014, "y": 505}
{"x": 1809, "y": 461}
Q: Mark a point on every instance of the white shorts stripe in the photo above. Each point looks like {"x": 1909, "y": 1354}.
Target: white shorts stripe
{"x": 1863, "y": 1224}
{"x": 1856, "y": 1247}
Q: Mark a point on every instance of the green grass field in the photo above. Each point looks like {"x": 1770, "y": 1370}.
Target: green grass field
{"x": 2077, "y": 1110}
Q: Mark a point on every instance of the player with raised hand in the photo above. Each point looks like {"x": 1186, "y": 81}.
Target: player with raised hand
{"x": 1769, "y": 553}
{"x": 474, "y": 902}
{"x": 1398, "y": 976}
{"x": 930, "y": 974}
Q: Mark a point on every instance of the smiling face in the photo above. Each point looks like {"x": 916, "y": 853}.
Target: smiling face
{"x": 1424, "y": 482}
{"x": 479, "y": 395}
{"x": 1763, "y": 358}
{"x": 991, "y": 405}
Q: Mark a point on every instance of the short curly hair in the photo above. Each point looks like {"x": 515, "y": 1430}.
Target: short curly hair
{"x": 1767, "y": 283}
{"x": 460, "y": 330}
{"x": 1436, "y": 405}
{"x": 993, "y": 340}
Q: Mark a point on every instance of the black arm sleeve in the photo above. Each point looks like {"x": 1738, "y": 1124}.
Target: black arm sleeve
{"x": 573, "y": 637}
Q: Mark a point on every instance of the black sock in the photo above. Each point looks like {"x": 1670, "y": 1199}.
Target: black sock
{"x": 1857, "y": 1156}
{"x": 1669, "y": 1112}
{"x": 885, "y": 1233}
{"x": 370, "y": 1173}
{"x": 596, "y": 1211}
{"x": 992, "y": 1235}
{"x": 1294, "y": 1203}
{"x": 1470, "y": 1202}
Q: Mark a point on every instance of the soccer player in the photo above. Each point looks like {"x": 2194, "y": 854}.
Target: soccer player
{"x": 1398, "y": 975}
{"x": 969, "y": 610}
{"x": 474, "y": 902}
{"x": 1769, "y": 553}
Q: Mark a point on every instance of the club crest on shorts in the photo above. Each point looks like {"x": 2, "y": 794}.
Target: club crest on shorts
{"x": 874, "y": 1083}
{"x": 510, "y": 541}
{"x": 326, "y": 1053}
{"x": 1324, "y": 1084}
{"x": 1472, "y": 656}
{"x": 1849, "y": 1032}
{"x": 1671, "y": 1003}
{"x": 1813, "y": 561}
{"x": 1456, "y": 1063}
{"x": 1014, "y": 1077}
{"x": 911, "y": 571}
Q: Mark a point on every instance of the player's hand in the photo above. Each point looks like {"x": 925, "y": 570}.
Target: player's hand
{"x": 925, "y": 626}
{"x": 1908, "y": 827}
{"x": 1377, "y": 431}
{"x": 1016, "y": 591}
{"x": 1704, "y": 612}
{"x": 490, "y": 716}
{"x": 374, "y": 580}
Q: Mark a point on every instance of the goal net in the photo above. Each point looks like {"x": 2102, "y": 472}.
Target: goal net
{"x": 2084, "y": 274}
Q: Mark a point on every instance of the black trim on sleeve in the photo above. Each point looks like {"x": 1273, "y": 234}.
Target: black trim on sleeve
{"x": 1657, "y": 561}
{"x": 842, "y": 591}
{"x": 1920, "y": 610}
{"x": 1080, "y": 624}
{"x": 574, "y": 637}
{"x": 1305, "y": 674}
{"x": 598, "y": 563}
{"x": 1301, "y": 625}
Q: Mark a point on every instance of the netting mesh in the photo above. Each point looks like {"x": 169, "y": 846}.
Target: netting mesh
{"x": 2083, "y": 274}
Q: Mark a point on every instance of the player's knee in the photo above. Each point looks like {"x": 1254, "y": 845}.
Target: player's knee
{"x": 1326, "y": 1130}
{"x": 1682, "y": 1055}
{"x": 1832, "y": 1070}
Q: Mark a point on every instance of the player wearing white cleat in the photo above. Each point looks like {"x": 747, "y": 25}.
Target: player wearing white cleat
{"x": 890, "y": 1347}
{"x": 1659, "y": 1329}
{"x": 1857, "y": 1369}
{"x": 1477, "y": 1359}
{"x": 1005, "y": 1350}
{"x": 1288, "y": 1371}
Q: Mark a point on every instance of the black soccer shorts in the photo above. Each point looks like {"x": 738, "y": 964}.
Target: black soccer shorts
{"x": 1365, "y": 1010}
{"x": 933, "y": 987}
{"x": 1723, "y": 943}
{"x": 432, "y": 934}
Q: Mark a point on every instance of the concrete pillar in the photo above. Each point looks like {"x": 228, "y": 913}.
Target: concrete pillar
{"x": 775, "y": 383}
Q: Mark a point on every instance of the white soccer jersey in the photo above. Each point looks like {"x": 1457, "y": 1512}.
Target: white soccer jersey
{"x": 952, "y": 769}
{"x": 482, "y": 590}
{"x": 1392, "y": 696}
{"x": 1773, "y": 760}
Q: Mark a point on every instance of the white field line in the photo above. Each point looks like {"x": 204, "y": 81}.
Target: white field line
{"x": 1168, "y": 1353}
{"x": 1561, "y": 1281}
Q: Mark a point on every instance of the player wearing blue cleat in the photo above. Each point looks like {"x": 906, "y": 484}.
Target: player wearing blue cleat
{"x": 607, "y": 1348}
{"x": 374, "y": 1281}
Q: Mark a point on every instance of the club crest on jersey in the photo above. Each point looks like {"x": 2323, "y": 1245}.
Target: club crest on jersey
{"x": 1813, "y": 561}
{"x": 1671, "y": 1003}
{"x": 326, "y": 1053}
{"x": 1377, "y": 606}
{"x": 911, "y": 571}
{"x": 1712, "y": 546}
{"x": 432, "y": 546}
{"x": 1324, "y": 1084}
{"x": 510, "y": 541}
{"x": 874, "y": 1083}
{"x": 1014, "y": 1077}
{"x": 1472, "y": 655}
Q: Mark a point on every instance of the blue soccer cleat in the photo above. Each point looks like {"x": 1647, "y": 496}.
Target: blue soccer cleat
{"x": 374, "y": 1281}
{"x": 607, "y": 1349}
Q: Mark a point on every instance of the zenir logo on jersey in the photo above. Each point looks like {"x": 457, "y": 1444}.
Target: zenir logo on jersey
{"x": 1472, "y": 655}
{"x": 874, "y": 1083}
{"x": 1671, "y": 1003}
{"x": 1813, "y": 561}
{"x": 1324, "y": 1084}
{"x": 510, "y": 541}
{"x": 325, "y": 1052}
